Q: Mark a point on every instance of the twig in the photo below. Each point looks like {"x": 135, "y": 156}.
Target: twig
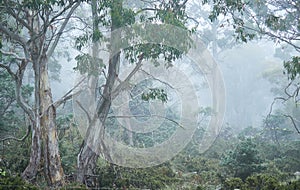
{"x": 163, "y": 82}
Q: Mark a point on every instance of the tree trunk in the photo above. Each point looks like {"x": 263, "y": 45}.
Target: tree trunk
{"x": 44, "y": 132}
{"x": 52, "y": 163}
{"x": 87, "y": 160}
{"x": 93, "y": 144}
{"x": 35, "y": 155}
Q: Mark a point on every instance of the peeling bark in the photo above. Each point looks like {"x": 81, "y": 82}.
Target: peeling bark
{"x": 44, "y": 151}
{"x": 52, "y": 163}
{"x": 38, "y": 40}
{"x": 35, "y": 155}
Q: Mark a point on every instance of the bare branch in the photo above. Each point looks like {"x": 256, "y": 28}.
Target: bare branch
{"x": 16, "y": 139}
{"x": 283, "y": 99}
{"x": 12, "y": 54}
{"x": 7, "y": 68}
{"x": 17, "y": 77}
{"x": 294, "y": 123}
{"x": 85, "y": 111}
{"x": 12, "y": 35}
{"x": 62, "y": 28}
{"x": 28, "y": 110}
{"x": 68, "y": 95}
{"x": 16, "y": 16}
{"x": 146, "y": 9}
{"x": 143, "y": 116}
{"x": 61, "y": 12}
{"x": 287, "y": 39}
{"x": 163, "y": 82}
{"x": 123, "y": 84}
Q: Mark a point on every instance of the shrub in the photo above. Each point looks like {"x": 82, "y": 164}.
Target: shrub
{"x": 262, "y": 181}
{"x": 14, "y": 182}
{"x": 233, "y": 183}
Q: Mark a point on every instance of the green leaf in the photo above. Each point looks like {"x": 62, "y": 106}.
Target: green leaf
{"x": 292, "y": 67}
{"x": 86, "y": 64}
{"x": 155, "y": 94}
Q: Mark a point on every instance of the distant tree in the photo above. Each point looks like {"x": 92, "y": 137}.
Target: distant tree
{"x": 272, "y": 19}
{"x": 14, "y": 128}
{"x": 7, "y": 102}
{"x": 243, "y": 160}
{"x": 110, "y": 16}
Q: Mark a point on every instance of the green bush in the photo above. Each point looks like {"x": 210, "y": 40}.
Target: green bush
{"x": 244, "y": 160}
{"x": 74, "y": 186}
{"x": 14, "y": 182}
{"x": 233, "y": 183}
{"x": 262, "y": 182}
{"x": 112, "y": 176}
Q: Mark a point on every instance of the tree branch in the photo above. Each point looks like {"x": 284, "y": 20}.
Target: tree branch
{"x": 85, "y": 111}
{"x": 18, "y": 19}
{"x": 62, "y": 28}
{"x": 18, "y": 82}
{"x": 16, "y": 139}
{"x": 12, "y": 54}
{"x": 28, "y": 110}
{"x": 68, "y": 95}
{"x": 123, "y": 84}
{"x": 7, "y": 68}
{"x": 163, "y": 82}
{"x": 13, "y": 36}
{"x": 143, "y": 116}
{"x": 294, "y": 123}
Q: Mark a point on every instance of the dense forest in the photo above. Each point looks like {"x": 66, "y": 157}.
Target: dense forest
{"x": 150, "y": 94}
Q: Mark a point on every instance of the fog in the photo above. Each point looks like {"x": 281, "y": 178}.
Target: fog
{"x": 172, "y": 94}
{"x": 248, "y": 91}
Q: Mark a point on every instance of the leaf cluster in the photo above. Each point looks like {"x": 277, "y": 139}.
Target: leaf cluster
{"x": 244, "y": 160}
{"x": 88, "y": 64}
{"x": 292, "y": 67}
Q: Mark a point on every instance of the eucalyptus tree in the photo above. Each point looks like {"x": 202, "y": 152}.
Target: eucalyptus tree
{"x": 30, "y": 33}
{"x": 111, "y": 15}
{"x": 272, "y": 19}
